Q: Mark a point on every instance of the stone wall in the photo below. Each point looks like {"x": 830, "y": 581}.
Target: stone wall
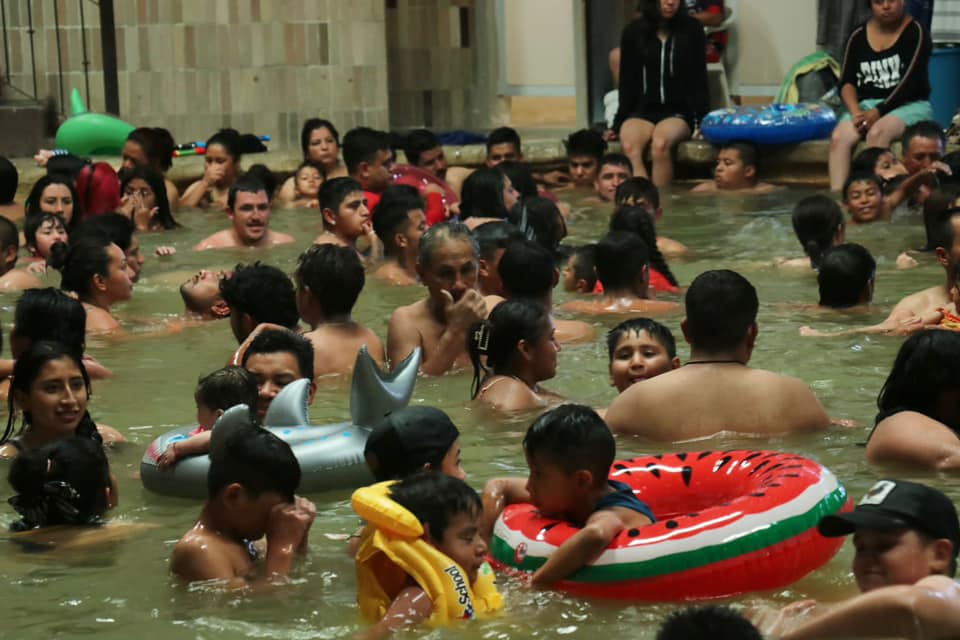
{"x": 194, "y": 66}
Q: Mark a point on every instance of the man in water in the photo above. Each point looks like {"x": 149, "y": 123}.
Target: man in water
{"x": 716, "y": 390}
{"x": 736, "y": 172}
{"x": 248, "y": 208}
{"x": 201, "y": 295}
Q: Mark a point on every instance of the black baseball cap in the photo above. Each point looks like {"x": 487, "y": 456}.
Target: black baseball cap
{"x": 407, "y": 439}
{"x": 899, "y": 504}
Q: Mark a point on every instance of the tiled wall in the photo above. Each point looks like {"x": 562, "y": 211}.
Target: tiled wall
{"x": 194, "y": 66}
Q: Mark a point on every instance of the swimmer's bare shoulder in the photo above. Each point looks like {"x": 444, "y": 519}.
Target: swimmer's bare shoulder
{"x": 394, "y": 274}
{"x": 275, "y": 237}
{"x": 707, "y": 186}
{"x": 18, "y": 280}
{"x": 218, "y": 240}
{"x": 575, "y": 331}
{"x": 404, "y": 330}
{"x": 201, "y": 555}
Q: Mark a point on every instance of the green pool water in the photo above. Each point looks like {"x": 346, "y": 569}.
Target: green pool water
{"x": 126, "y": 591}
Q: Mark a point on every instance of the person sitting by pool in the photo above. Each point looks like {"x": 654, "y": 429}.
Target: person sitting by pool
{"x": 201, "y": 295}
{"x": 818, "y": 223}
{"x": 369, "y": 158}
{"x": 399, "y": 224}
{"x": 248, "y": 208}
{"x": 883, "y": 83}
{"x": 397, "y": 595}
{"x": 639, "y": 349}
{"x": 320, "y": 144}
{"x": 145, "y": 200}
{"x": 528, "y": 272}
{"x": 637, "y": 220}
{"x": 96, "y": 270}
{"x": 277, "y": 357}
{"x": 51, "y": 387}
{"x": 11, "y": 278}
{"x": 257, "y": 294}
{"x": 721, "y": 327}
{"x": 569, "y": 451}
{"x": 346, "y": 217}
{"x": 9, "y": 180}
{"x": 440, "y": 323}
{"x": 307, "y": 180}
{"x": 640, "y": 192}
{"x": 329, "y": 281}
{"x": 151, "y": 148}
{"x": 580, "y": 272}
{"x": 413, "y": 439}
{"x": 221, "y": 168}
{"x": 487, "y": 196}
{"x": 493, "y": 238}
{"x": 521, "y": 352}
{"x": 55, "y": 193}
{"x": 918, "y": 423}
{"x": 216, "y": 392}
{"x": 252, "y": 512}
{"x": 736, "y": 172}
{"x": 906, "y": 537}
{"x": 614, "y": 169}
{"x": 623, "y": 270}
{"x": 846, "y": 277}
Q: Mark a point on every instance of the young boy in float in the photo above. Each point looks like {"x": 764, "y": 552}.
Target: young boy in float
{"x": 421, "y": 557}
{"x": 329, "y": 280}
{"x": 623, "y": 271}
{"x": 641, "y": 192}
{"x": 569, "y": 451}
{"x": 216, "y": 392}
{"x": 253, "y": 525}
{"x": 11, "y": 278}
{"x": 639, "y": 349}
{"x": 276, "y": 357}
{"x": 736, "y": 172}
{"x": 399, "y": 224}
{"x": 346, "y": 217}
{"x": 306, "y": 185}
{"x": 906, "y": 537}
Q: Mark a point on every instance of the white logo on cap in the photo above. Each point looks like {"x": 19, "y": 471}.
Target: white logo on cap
{"x": 879, "y": 492}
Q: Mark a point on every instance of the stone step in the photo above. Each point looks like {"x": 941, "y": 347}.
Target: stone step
{"x": 22, "y": 127}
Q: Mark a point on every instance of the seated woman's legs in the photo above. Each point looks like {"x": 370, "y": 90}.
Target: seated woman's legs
{"x": 666, "y": 135}
{"x": 635, "y": 135}
{"x": 844, "y": 138}
{"x": 884, "y": 131}
{"x": 615, "y": 66}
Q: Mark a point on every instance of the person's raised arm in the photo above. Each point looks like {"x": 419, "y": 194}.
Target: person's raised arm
{"x": 582, "y": 548}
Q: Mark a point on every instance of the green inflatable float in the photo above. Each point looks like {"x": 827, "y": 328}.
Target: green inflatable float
{"x": 91, "y": 134}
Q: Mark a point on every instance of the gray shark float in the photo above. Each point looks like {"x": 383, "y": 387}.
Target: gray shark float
{"x": 330, "y": 456}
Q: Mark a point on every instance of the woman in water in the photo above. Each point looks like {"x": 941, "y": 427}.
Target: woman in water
{"x": 54, "y": 193}
{"x": 819, "y": 224}
{"x": 152, "y": 147}
{"x": 919, "y": 419}
{"x": 884, "y": 84}
{"x": 663, "y": 85}
{"x": 145, "y": 199}
{"x": 51, "y": 388}
{"x": 487, "y": 195}
{"x": 638, "y": 220}
{"x": 96, "y": 269}
{"x": 320, "y": 143}
{"x": 521, "y": 349}
{"x": 222, "y": 161}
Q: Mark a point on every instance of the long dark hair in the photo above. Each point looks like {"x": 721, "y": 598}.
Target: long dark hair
{"x": 637, "y": 220}
{"x": 497, "y": 337}
{"x": 482, "y": 195}
{"x": 50, "y": 314}
{"x": 815, "y": 221}
{"x": 85, "y": 257}
{"x": 927, "y": 365}
{"x": 33, "y": 200}
{"x": 155, "y": 180}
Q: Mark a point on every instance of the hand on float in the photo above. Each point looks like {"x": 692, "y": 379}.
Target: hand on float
{"x": 168, "y": 458}
{"x": 165, "y": 252}
{"x": 466, "y": 311}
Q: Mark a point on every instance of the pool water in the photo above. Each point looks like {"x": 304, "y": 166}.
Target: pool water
{"x": 126, "y": 591}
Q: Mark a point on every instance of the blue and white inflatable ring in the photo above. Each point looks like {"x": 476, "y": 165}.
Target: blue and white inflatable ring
{"x": 770, "y": 123}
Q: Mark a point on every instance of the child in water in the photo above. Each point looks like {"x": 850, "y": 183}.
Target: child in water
{"x": 569, "y": 452}
{"x": 307, "y": 181}
{"x": 639, "y": 349}
{"x": 216, "y": 392}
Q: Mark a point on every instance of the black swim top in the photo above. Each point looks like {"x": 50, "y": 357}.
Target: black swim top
{"x": 623, "y": 496}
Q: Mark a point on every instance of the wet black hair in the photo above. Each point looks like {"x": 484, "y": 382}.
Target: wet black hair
{"x": 156, "y": 183}
{"x": 263, "y": 292}
{"x": 262, "y": 174}
{"x": 492, "y": 236}
{"x": 229, "y": 139}
{"x": 503, "y": 135}
{"x": 157, "y": 144}
{"x": 36, "y": 194}
{"x": 227, "y": 387}
{"x": 283, "y": 341}
{"x": 361, "y": 145}
{"x": 585, "y": 142}
{"x": 527, "y": 270}
{"x": 867, "y": 159}
{"x": 639, "y": 221}
{"x": 482, "y": 194}
{"x": 50, "y": 314}
{"x": 9, "y": 235}
{"x": 246, "y": 183}
{"x": 716, "y": 622}
{"x": 435, "y": 499}
{"x": 815, "y": 221}
{"x": 585, "y": 265}
{"x": 26, "y": 370}
{"x": 62, "y": 483}
{"x": 498, "y": 336}
{"x": 334, "y": 191}
{"x": 927, "y": 366}
{"x": 521, "y": 177}
{"x": 34, "y": 221}
{"x": 257, "y": 460}
{"x": 115, "y": 226}
{"x": 721, "y": 307}
{"x": 923, "y": 129}
{"x": 845, "y": 272}
{"x": 621, "y": 257}
{"x": 442, "y": 232}
{"x": 746, "y": 150}
{"x": 861, "y": 176}
{"x": 943, "y": 235}
{"x": 393, "y": 214}
{"x": 636, "y": 188}
{"x": 333, "y": 274}
{"x": 418, "y": 141}
{"x": 312, "y": 125}
{"x": 657, "y": 331}
{"x": 540, "y": 220}
{"x": 616, "y": 160}
{"x": 9, "y": 179}
{"x": 77, "y": 263}
{"x": 572, "y": 437}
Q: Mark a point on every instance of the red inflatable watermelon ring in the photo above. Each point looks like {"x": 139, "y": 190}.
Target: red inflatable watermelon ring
{"x": 729, "y": 522}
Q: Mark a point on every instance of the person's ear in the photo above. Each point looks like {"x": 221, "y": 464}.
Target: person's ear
{"x": 427, "y": 537}
{"x": 556, "y": 277}
{"x": 220, "y": 309}
{"x": 752, "y": 336}
{"x": 582, "y": 286}
{"x": 483, "y": 269}
{"x": 400, "y": 240}
{"x": 247, "y": 323}
{"x": 10, "y": 255}
{"x": 839, "y": 234}
{"x": 675, "y": 363}
{"x": 108, "y": 498}
{"x": 749, "y": 172}
{"x": 329, "y": 217}
{"x": 943, "y": 257}
{"x": 313, "y": 392}
{"x": 645, "y": 280}
{"x": 658, "y": 214}
{"x": 99, "y": 282}
{"x": 217, "y": 414}
{"x": 233, "y": 495}
{"x": 583, "y": 479}
{"x": 941, "y": 555}
{"x": 610, "y": 371}
{"x": 526, "y": 350}
{"x": 685, "y": 330}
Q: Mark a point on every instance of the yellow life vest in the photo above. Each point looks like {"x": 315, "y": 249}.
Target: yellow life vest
{"x": 392, "y": 551}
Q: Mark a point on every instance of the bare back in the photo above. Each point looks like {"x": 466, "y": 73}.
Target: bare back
{"x": 335, "y": 347}
{"x": 414, "y": 326}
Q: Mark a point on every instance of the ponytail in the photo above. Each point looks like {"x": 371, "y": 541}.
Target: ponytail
{"x": 639, "y": 221}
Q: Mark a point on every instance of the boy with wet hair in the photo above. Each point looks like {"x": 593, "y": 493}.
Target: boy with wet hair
{"x": 256, "y": 294}
{"x": 503, "y": 144}
{"x": 329, "y": 281}
{"x": 399, "y": 224}
{"x": 346, "y": 217}
{"x": 846, "y": 276}
{"x": 639, "y": 349}
{"x": 277, "y": 357}
{"x": 424, "y": 151}
{"x": 584, "y": 150}
{"x": 569, "y": 452}
{"x": 11, "y": 278}
{"x": 580, "y": 274}
{"x": 906, "y": 536}
{"x": 251, "y": 483}
{"x": 368, "y": 158}
{"x": 735, "y": 171}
